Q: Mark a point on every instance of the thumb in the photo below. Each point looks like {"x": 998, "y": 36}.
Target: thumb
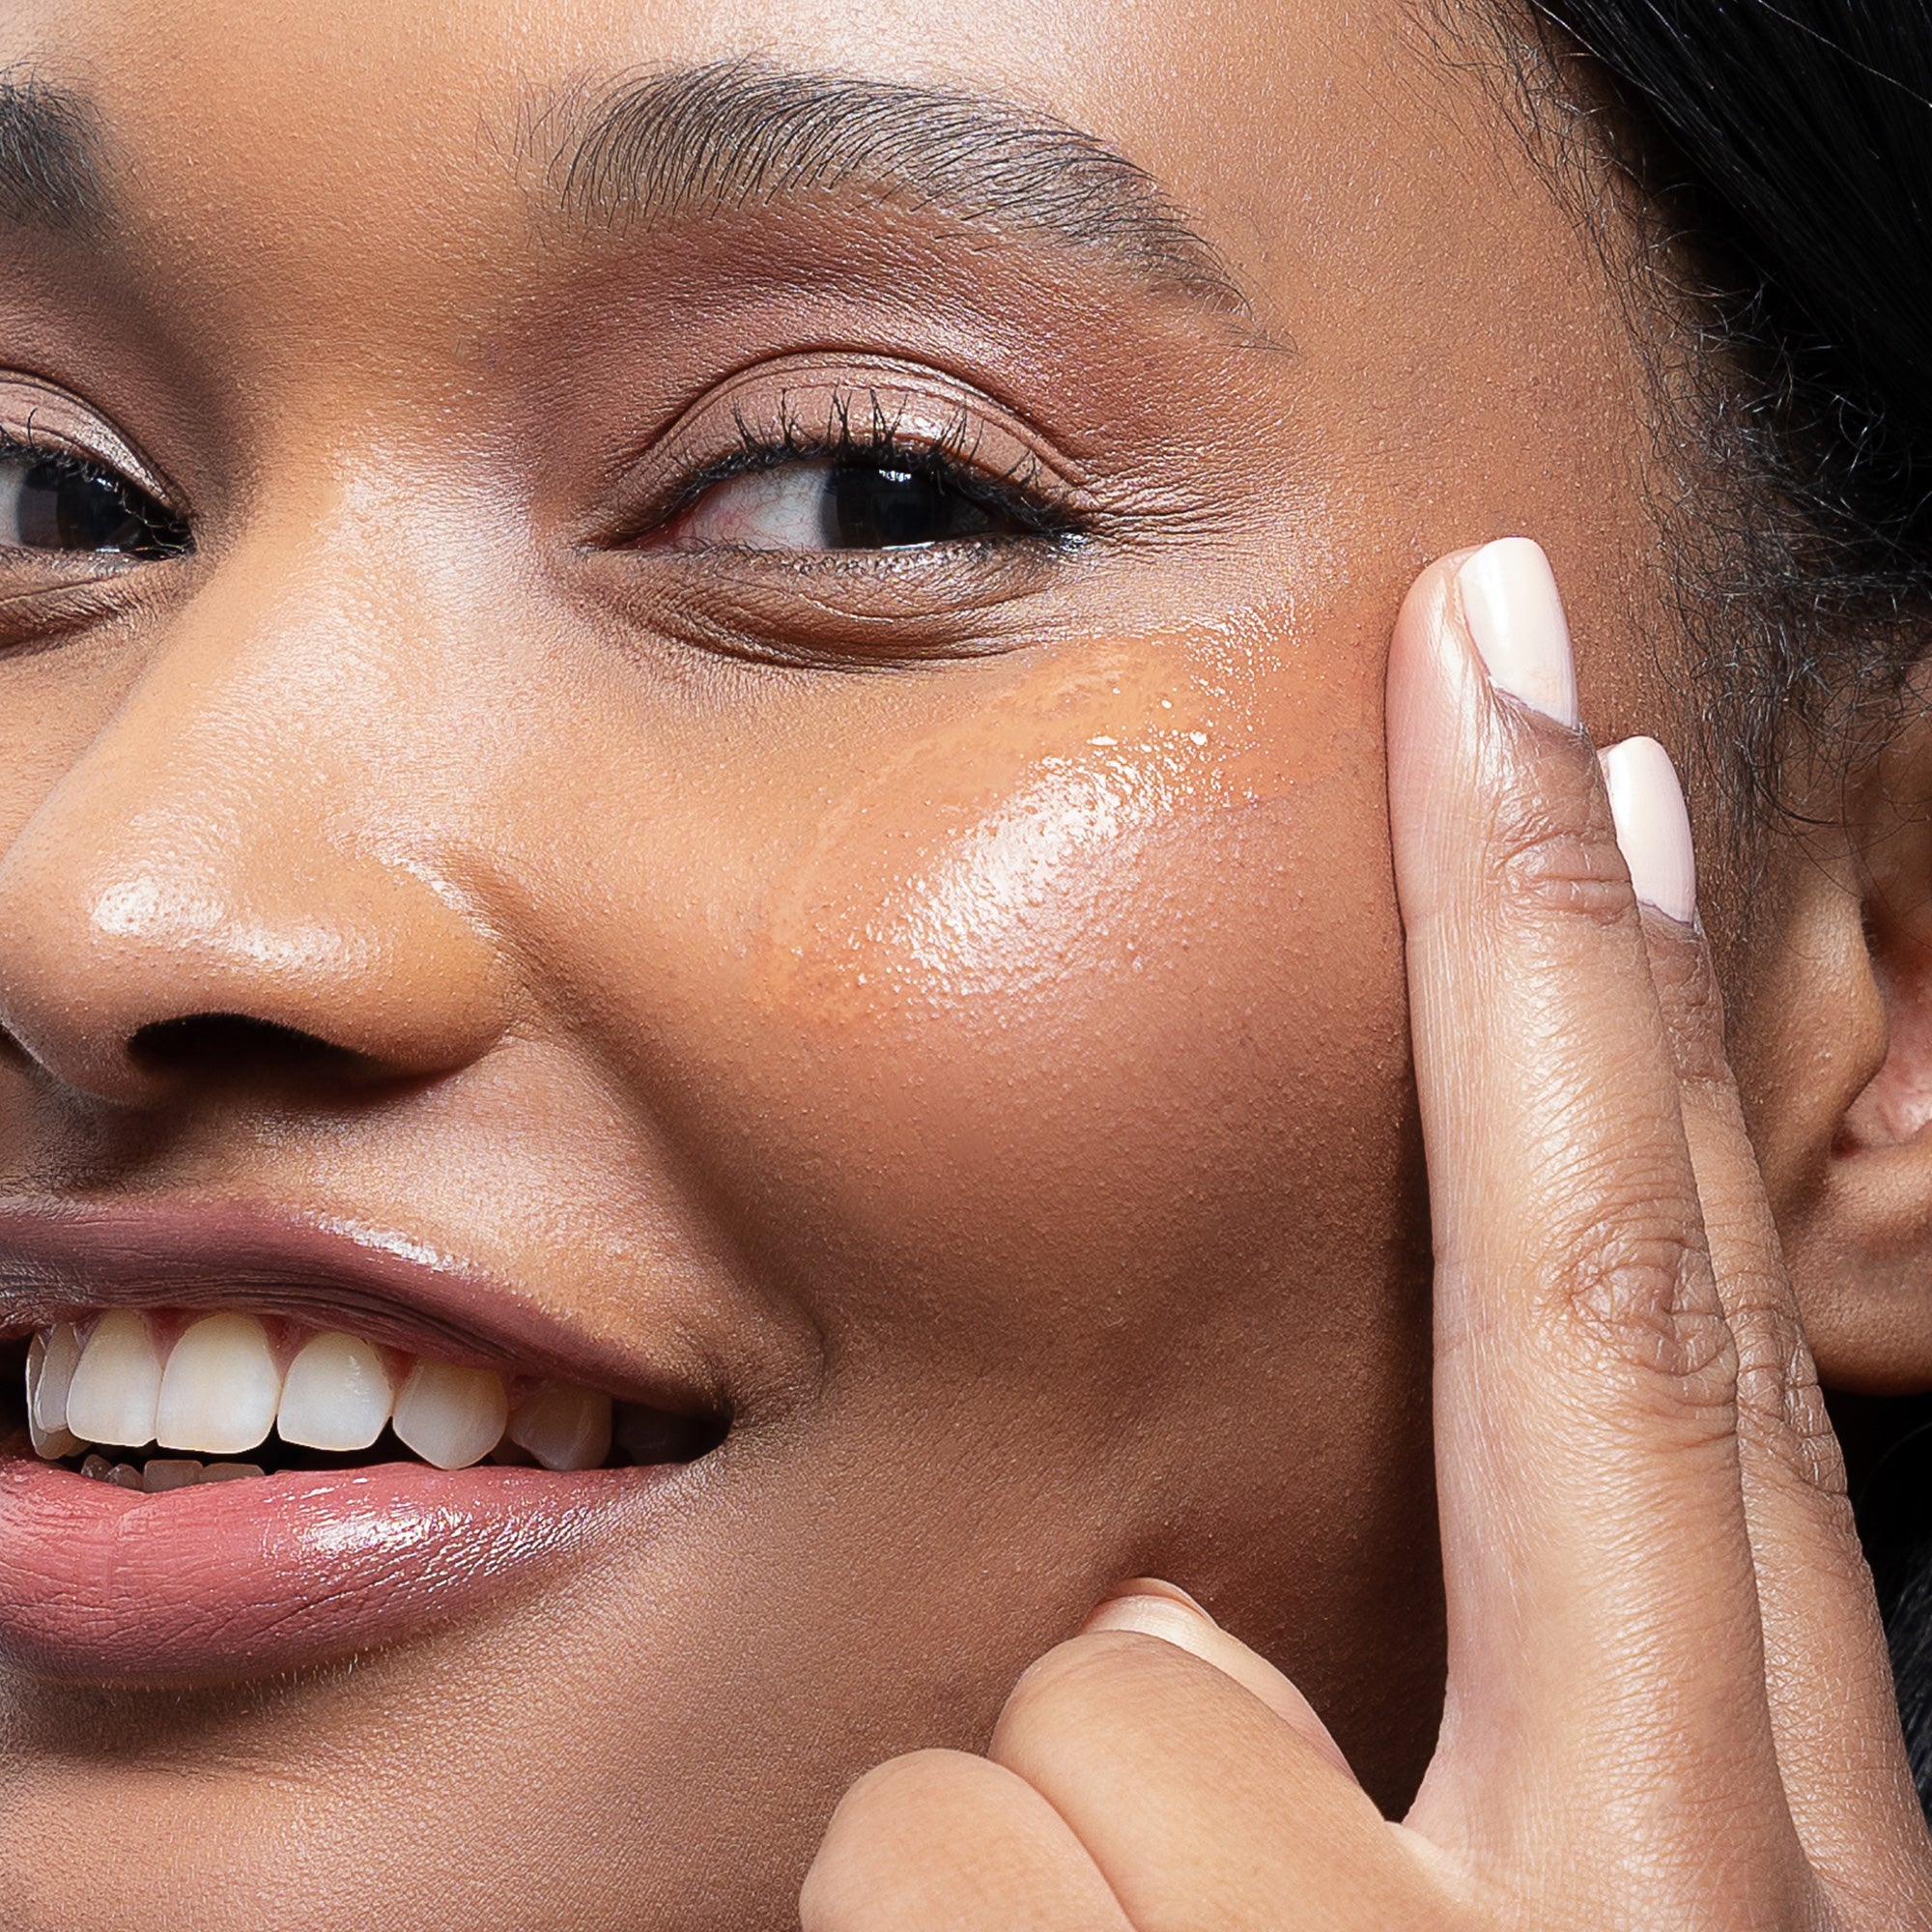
{"x": 1155, "y": 1609}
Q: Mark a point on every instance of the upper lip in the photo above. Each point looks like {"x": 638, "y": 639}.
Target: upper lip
{"x": 61, "y": 1259}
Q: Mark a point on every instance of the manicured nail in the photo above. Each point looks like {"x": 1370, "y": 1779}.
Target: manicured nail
{"x": 1516, "y": 616}
{"x": 1653, "y": 827}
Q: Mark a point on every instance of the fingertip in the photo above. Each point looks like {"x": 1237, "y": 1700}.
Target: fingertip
{"x": 1151, "y": 1606}
{"x": 1433, "y": 671}
{"x": 1152, "y": 1586}
{"x": 1157, "y": 1608}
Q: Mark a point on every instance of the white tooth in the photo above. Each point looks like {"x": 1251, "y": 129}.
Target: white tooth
{"x": 48, "y": 1444}
{"x": 169, "y": 1472}
{"x": 449, "y": 1416}
{"x": 117, "y": 1382}
{"x": 62, "y": 1356}
{"x": 336, "y": 1395}
{"x": 564, "y": 1428}
{"x": 221, "y": 1387}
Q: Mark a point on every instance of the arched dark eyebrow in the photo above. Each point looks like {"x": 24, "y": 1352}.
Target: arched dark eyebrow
{"x": 49, "y": 156}
{"x": 744, "y": 134}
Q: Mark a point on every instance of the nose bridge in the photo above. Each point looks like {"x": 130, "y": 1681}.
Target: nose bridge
{"x": 246, "y": 838}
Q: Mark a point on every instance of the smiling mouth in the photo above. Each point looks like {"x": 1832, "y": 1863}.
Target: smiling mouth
{"x": 167, "y": 1399}
{"x": 235, "y": 1441}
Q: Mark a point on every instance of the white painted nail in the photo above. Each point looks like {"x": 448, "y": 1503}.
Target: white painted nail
{"x": 1516, "y": 617}
{"x": 219, "y": 1392}
{"x": 117, "y": 1383}
{"x": 451, "y": 1417}
{"x": 336, "y": 1395}
{"x": 1653, "y": 826}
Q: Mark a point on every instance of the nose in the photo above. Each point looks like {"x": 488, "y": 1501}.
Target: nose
{"x": 228, "y": 882}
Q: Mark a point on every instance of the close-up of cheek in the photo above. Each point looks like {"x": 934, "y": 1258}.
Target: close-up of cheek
{"x": 831, "y": 834}
{"x": 1075, "y": 1000}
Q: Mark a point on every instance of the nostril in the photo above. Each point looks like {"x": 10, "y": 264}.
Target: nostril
{"x": 217, "y": 1047}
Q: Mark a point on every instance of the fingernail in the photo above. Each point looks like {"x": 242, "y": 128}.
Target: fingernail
{"x": 1516, "y": 616}
{"x": 1653, "y": 827}
{"x": 1153, "y": 1586}
{"x": 1155, "y": 1609}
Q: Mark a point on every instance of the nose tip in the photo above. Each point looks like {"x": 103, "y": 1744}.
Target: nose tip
{"x": 215, "y": 962}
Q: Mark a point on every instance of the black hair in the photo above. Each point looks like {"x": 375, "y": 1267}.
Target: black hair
{"x": 1779, "y": 157}
{"x": 1787, "y": 147}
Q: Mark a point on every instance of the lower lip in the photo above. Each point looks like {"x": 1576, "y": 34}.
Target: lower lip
{"x": 230, "y": 1581}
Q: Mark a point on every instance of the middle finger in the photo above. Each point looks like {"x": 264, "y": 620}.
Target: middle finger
{"x": 1606, "y": 1685}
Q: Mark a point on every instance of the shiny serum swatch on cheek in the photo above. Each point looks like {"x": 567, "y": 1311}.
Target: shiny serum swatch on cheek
{"x": 972, "y": 858}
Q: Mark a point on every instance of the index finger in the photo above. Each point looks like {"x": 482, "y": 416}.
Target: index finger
{"x": 1605, "y": 1656}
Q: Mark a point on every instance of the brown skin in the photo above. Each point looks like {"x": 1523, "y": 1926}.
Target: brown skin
{"x": 1668, "y": 1701}
{"x": 1021, "y": 1126}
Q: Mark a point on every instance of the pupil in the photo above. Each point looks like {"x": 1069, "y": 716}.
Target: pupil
{"x": 63, "y": 506}
{"x": 868, "y": 508}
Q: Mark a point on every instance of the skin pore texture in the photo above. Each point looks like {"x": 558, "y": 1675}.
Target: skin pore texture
{"x": 944, "y": 1005}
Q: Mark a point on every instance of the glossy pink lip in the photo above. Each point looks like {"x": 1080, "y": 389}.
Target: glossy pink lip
{"x": 219, "y": 1583}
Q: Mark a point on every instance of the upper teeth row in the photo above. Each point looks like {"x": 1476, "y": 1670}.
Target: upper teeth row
{"x": 220, "y": 1391}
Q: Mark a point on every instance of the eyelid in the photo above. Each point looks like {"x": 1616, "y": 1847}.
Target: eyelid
{"x": 37, "y": 415}
{"x": 804, "y": 407}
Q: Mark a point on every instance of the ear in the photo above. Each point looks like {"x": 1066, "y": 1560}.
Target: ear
{"x": 1833, "y": 1037}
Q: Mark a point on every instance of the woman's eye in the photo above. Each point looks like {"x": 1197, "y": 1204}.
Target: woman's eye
{"x": 51, "y": 501}
{"x": 838, "y": 504}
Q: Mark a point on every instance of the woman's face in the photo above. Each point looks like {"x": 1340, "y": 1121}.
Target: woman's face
{"x": 761, "y": 790}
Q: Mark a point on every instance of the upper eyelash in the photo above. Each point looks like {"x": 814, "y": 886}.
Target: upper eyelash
{"x": 66, "y": 457}
{"x": 11, "y": 445}
{"x": 878, "y": 437}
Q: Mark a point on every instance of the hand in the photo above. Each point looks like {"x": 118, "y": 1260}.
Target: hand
{"x": 1669, "y": 1704}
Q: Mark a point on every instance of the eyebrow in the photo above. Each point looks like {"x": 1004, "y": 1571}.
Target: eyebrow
{"x": 743, "y": 133}
{"x": 50, "y": 155}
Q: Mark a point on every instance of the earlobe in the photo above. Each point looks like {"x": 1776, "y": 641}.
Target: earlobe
{"x": 1836, "y": 1064}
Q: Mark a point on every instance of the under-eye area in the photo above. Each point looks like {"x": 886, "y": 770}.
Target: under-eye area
{"x": 165, "y": 1399}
